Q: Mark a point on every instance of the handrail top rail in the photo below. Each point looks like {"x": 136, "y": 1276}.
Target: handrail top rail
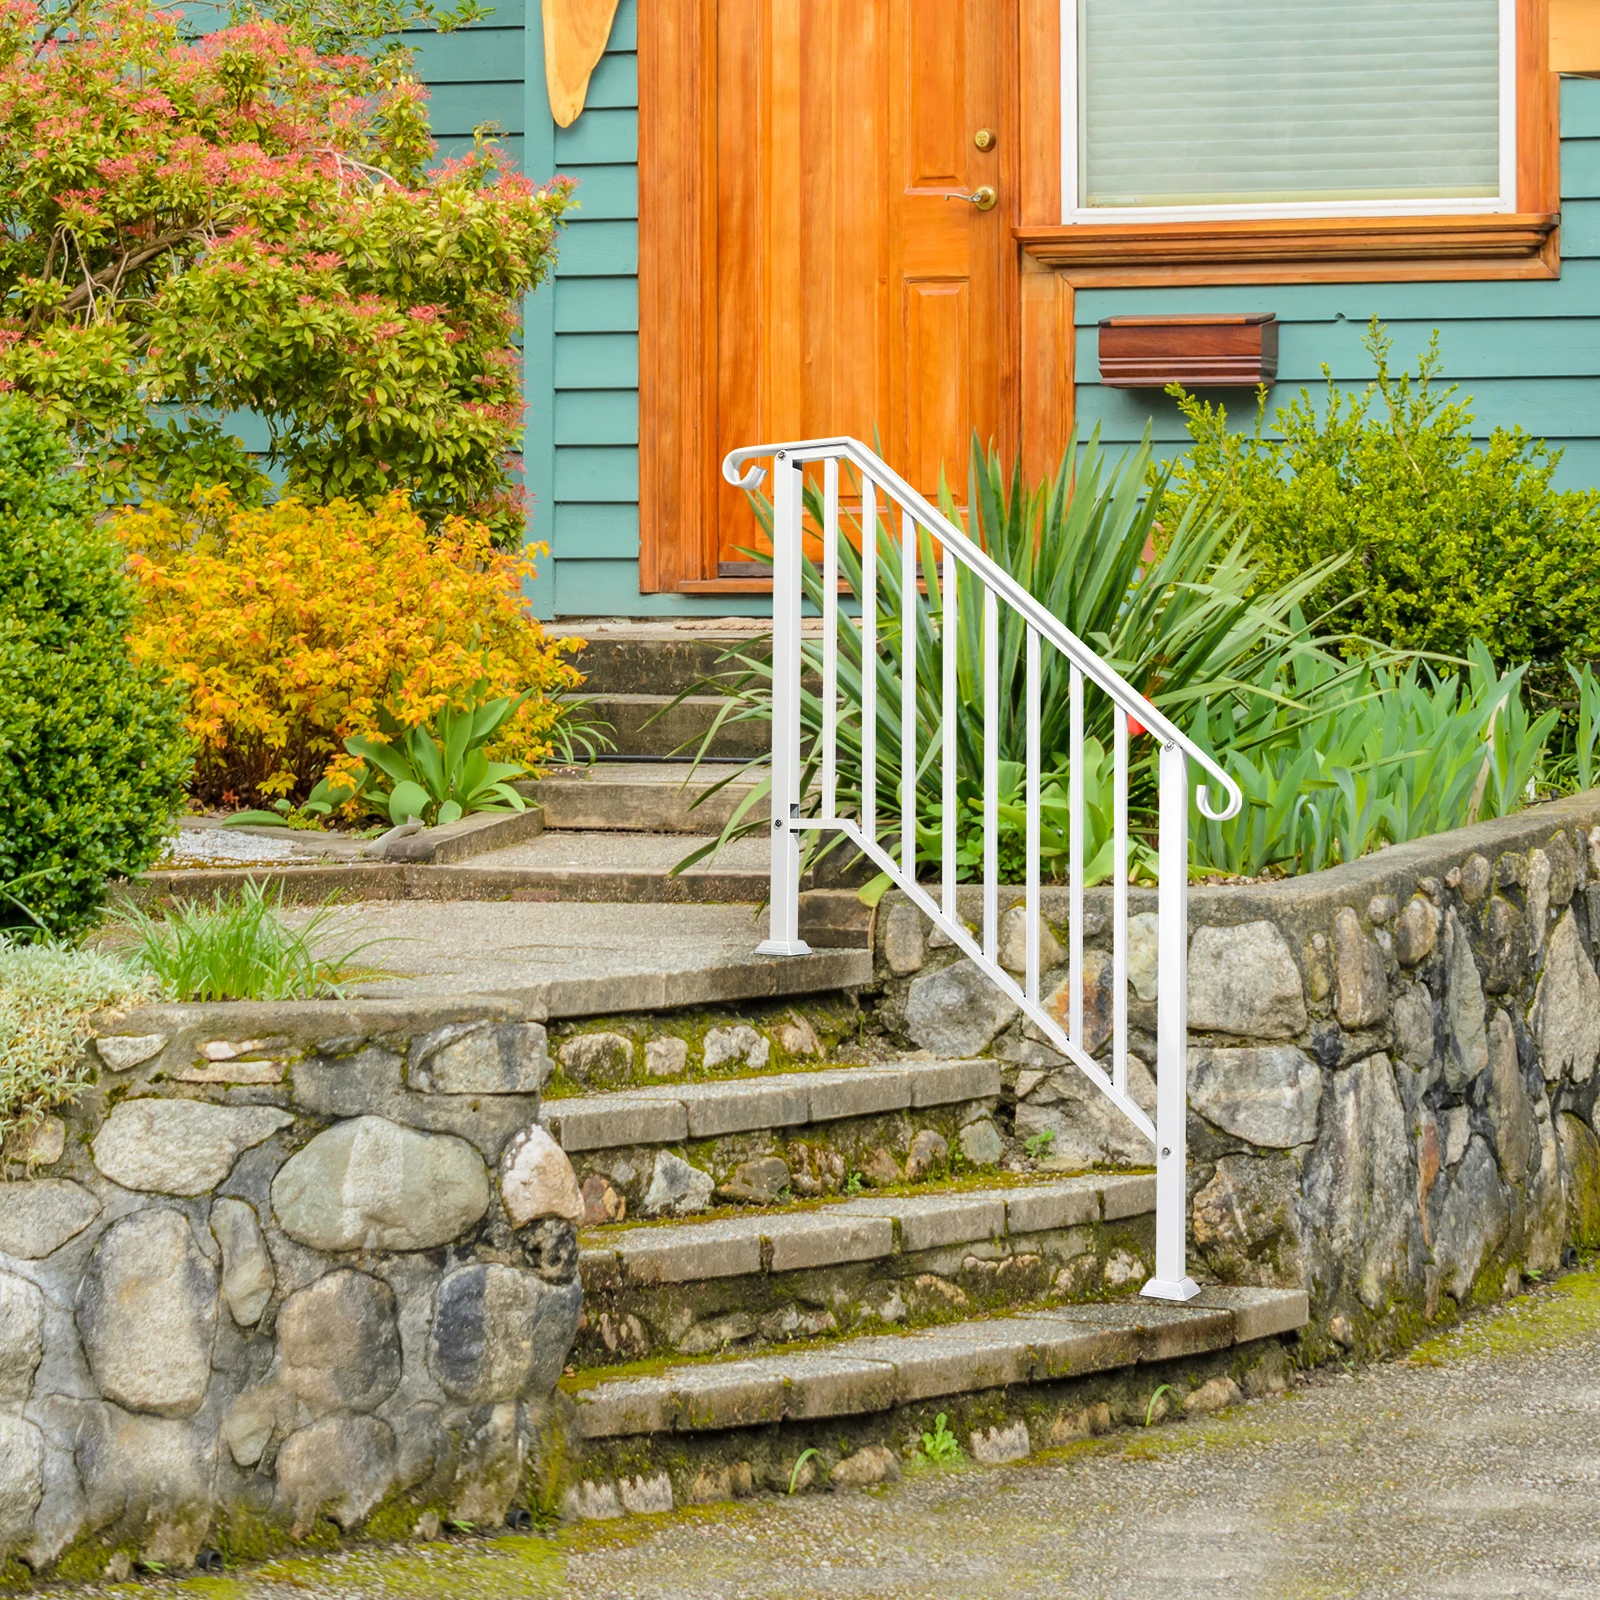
{"x": 996, "y": 578}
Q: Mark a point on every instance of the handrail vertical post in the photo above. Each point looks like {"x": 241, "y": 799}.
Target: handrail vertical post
{"x": 783, "y": 934}
{"x": 1172, "y": 1281}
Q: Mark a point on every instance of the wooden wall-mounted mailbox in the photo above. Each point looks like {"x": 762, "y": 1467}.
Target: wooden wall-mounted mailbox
{"x": 1235, "y": 349}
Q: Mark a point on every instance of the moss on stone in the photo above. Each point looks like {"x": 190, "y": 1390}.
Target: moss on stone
{"x": 1547, "y": 1317}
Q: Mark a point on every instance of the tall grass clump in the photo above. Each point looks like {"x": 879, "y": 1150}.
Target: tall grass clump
{"x": 238, "y": 947}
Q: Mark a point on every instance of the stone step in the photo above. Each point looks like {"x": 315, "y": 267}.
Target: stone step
{"x": 1010, "y": 1385}
{"x": 660, "y": 658}
{"x": 658, "y": 726}
{"x": 639, "y": 797}
{"x": 877, "y": 1262}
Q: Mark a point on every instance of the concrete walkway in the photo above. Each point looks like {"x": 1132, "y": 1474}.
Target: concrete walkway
{"x": 1472, "y": 1469}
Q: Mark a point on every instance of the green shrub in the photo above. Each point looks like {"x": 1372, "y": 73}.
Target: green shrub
{"x": 93, "y": 756}
{"x": 1450, "y": 541}
{"x": 47, "y": 995}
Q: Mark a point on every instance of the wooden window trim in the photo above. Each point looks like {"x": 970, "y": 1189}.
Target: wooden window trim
{"x": 1520, "y": 244}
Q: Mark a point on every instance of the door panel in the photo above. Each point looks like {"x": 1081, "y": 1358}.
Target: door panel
{"x": 852, "y": 296}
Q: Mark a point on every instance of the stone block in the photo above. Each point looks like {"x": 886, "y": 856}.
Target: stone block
{"x": 904, "y": 939}
{"x": 123, "y": 1052}
{"x": 715, "y": 1109}
{"x": 1247, "y": 1222}
{"x": 865, "y": 1468}
{"x": 1257, "y": 1313}
{"x": 341, "y": 1467}
{"x": 685, "y": 1254}
{"x": 928, "y": 1222}
{"x": 491, "y": 1339}
{"x": 480, "y": 1058}
{"x": 369, "y": 1184}
{"x": 759, "y": 1182}
{"x": 1216, "y": 1394}
{"x": 929, "y": 1152}
{"x": 740, "y": 1043}
{"x": 180, "y": 1147}
{"x": 21, "y": 1478}
{"x": 956, "y": 1011}
{"x": 957, "y": 1360}
{"x": 666, "y": 1057}
{"x": 1467, "y": 1053}
{"x": 835, "y": 1384}
{"x": 1361, "y": 988}
{"x": 1264, "y": 1096}
{"x": 1159, "y": 1332}
{"x": 1089, "y": 1130}
{"x": 624, "y": 1406}
{"x": 247, "y": 1273}
{"x": 676, "y": 1188}
{"x": 942, "y": 1083}
{"x": 1417, "y": 932}
{"x": 537, "y": 1180}
{"x": 1052, "y": 1205}
{"x": 1131, "y": 1196}
{"x": 340, "y": 1341}
{"x": 1011, "y": 942}
{"x": 1243, "y": 980}
{"x": 588, "y": 1056}
{"x": 147, "y": 1313}
{"x": 735, "y": 1394}
{"x": 35, "y": 1144}
{"x": 39, "y": 1215}
{"x": 857, "y": 1092}
{"x": 607, "y": 1122}
{"x": 21, "y": 1337}
{"x": 1566, "y": 1008}
{"x": 824, "y": 1239}
{"x": 1099, "y": 977}
{"x": 993, "y": 1447}
{"x": 1064, "y": 1346}
{"x": 981, "y": 1143}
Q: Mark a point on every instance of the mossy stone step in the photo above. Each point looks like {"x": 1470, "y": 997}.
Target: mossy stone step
{"x": 878, "y": 1373}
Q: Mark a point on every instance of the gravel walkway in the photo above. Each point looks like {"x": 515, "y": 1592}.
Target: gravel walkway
{"x": 1471, "y": 1469}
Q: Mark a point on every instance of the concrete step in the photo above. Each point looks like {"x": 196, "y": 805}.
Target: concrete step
{"x": 1006, "y": 1386}
{"x": 880, "y": 1262}
{"x": 657, "y": 726}
{"x": 639, "y": 797}
{"x": 661, "y": 658}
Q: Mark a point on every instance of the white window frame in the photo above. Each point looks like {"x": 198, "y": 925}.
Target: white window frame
{"x": 1073, "y": 212}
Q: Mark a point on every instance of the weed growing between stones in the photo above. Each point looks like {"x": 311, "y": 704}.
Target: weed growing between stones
{"x": 941, "y": 1446}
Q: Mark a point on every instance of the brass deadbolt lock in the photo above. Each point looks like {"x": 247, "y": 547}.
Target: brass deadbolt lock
{"x": 984, "y": 139}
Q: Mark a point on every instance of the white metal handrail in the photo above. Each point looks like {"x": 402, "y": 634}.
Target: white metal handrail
{"x": 1168, "y": 1131}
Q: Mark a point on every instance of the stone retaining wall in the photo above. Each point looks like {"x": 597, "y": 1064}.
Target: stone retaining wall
{"x": 1392, "y": 1079}
{"x": 284, "y": 1270}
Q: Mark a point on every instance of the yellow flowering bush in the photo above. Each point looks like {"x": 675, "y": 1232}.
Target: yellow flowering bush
{"x": 290, "y": 626}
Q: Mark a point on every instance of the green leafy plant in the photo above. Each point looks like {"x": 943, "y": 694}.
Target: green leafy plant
{"x": 48, "y": 993}
{"x": 93, "y": 752}
{"x": 855, "y": 1184}
{"x": 941, "y": 1446}
{"x": 436, "y": 775}
{"x": 1194, "y": 622}
{"x": 1039, "y": 1145}
{"x": 1450, "y": 540}
{"x": 1335, "y": 760}
{"x": 240, "y": 947}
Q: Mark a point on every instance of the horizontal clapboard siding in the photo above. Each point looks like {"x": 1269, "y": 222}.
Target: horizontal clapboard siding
{"x": 1524, "y": 354}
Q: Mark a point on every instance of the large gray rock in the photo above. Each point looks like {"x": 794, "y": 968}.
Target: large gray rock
{"x": 247, "y": 1275}
{"x": 1537, "y": 898}
{"x": 1467, "y": 1051}
{"x": 1267, "y": 1096}
{"x": 1011, "y": 942}
{"x": 340, "y": 1466}
{"x": 1098, "y": 1008}
{"x": 1359, "y": 1185}
{"x": 905, "y": 940}
{"x": 147, "y": 1480}
{"x": 1144, "y": 965}
{"x": 1246, "y": 1222}
{"x": 1566, "y": 1008}
{"x": 1417, "y": 932}
{"x": 739, "y": 1043}
{"x": 591, "y": 1057}
{"x": 39, "y": 1215}
{"x": 123, "y": 1051}
{"x": 481, "y": 1058}
{"x": 956, "y": 1011}
{"x": 537, "y": 1180}
{"x": 147, "y": 1311}
{"x": 21, "y": 1337}
{"x": 341, "y": 1343}
{"x": 179, "y": 1146}
{"x": 1473, "y": 1220}
{"x": 1089, "y": 1130}
{"x": 500, "y": 1334}
{"x": 21, "y": 1478}
{"x": 369, "y": 1184}
{"x": 1361, "y": 989}
{"x": 676, "y": 1188}
{"x": 1243, "y": 980}
{"x": 1413, "y": 1027}
{"x": 1510, "y": 1112}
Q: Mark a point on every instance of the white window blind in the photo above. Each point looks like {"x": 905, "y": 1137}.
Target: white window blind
{"x": 1234, "y": 103}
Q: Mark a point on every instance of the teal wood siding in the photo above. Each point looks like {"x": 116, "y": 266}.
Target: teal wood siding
{"x": 1526, "y": 353}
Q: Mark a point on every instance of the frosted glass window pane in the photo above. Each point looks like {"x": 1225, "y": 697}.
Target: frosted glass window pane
{"x": 1230, "y": 102}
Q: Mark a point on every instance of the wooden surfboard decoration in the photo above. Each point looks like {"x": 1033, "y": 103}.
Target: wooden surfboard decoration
{"x": 575, "y": 34}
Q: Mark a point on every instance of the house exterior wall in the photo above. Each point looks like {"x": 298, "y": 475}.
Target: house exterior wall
{"x": 1526, "y": 352}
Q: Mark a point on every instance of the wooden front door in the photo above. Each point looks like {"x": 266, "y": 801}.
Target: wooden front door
{"x": 845, "y": 293}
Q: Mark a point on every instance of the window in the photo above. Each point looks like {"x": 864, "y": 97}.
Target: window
{"x": 1186, "y": 109}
